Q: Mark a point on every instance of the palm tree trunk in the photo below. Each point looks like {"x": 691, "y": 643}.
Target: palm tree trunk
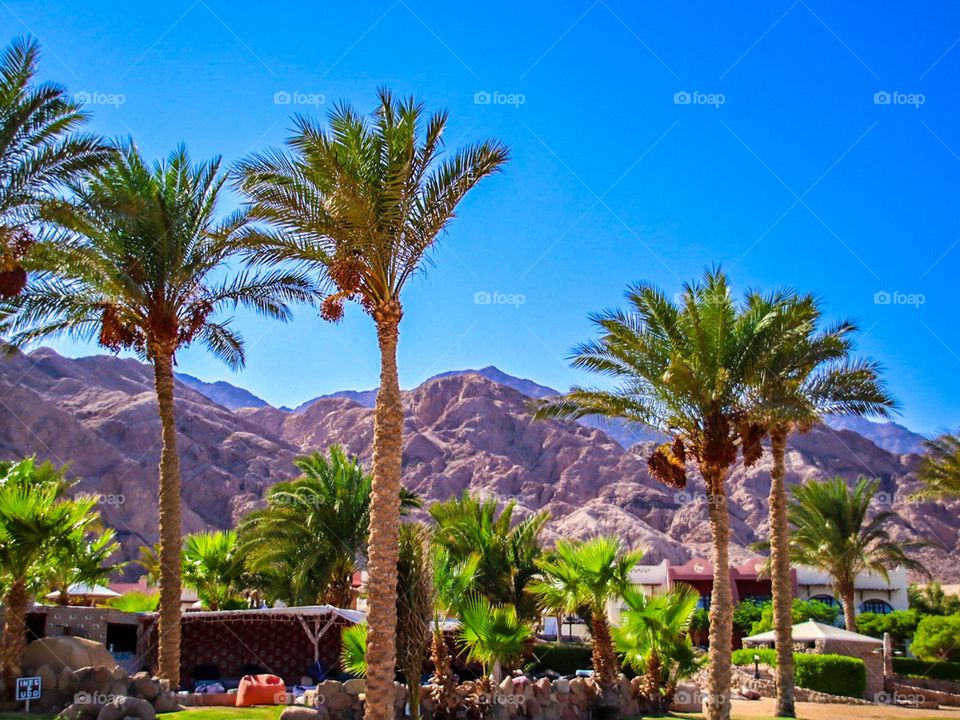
{"x": 721, "y": 601}
{"x": 14, "y": 634}
{"x": 443, "y": 690}
{"x": 849, "y": 608}
{"x": 171, "y": 542}
{"x": 384, "y": 523}
{"x": 605, "y": 668}
{"x": 780, "y": 576}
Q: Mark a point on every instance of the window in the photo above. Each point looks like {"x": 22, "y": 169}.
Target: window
{"x": 826, "y": 600}
{"x": 704, "y": 602}
{"x": 881, "y": 607}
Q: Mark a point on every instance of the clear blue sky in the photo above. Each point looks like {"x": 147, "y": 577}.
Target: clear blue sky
{"x": 786, "y": 166}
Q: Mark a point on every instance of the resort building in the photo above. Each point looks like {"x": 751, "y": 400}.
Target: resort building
{"x": 748, "y": 582}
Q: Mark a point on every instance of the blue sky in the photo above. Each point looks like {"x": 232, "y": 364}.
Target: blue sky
{"x": 795, "y": 143}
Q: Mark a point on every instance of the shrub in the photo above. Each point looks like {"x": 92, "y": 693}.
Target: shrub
{"x": 565, "y": 658}
{"x": 747, "y": 613}
{"x": 831, "y": 674}
{"x": 801, "y": 611}
{"x": 938, "y": 638}
{"x": 901, "y": 624}
{"x": 927, "y": 669}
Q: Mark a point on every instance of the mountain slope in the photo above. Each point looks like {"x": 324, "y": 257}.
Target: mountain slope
{"x": 888, "y": 435}
{"x": 222, "y": 392}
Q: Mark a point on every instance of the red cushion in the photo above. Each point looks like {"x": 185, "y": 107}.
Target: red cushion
{"x": 261, "y": 690}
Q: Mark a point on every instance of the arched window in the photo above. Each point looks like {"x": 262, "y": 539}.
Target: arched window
{"x": 826, "y": 600}
{"x": 881, "y": 607}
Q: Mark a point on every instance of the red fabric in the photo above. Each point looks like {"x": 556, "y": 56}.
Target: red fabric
{"x": 261, "y": 690}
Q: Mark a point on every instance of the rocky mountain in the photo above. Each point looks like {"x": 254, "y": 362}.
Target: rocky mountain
{"x": 222, "y": 392}
{"x": 888, "y": 435}
{"x": 462, "y": 431}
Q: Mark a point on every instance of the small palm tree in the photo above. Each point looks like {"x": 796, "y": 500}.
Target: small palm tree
{"x": 306, "y": 543}
{"x": 36, "y": 521}
{"x": 832, "y": 530}
{"x": 135, "y": 602}
{"x": 453, "y": 582}
{"x": 654, "y": 638}
{"x": 589, "y": 574}
{"x": 493, "y": 635}
{"x": 142, "y": 264}
{"x": 508, "y": 550}
{"x": 40, "y": 152}
{"x": 83, "y": 559}
{"x": 363, "y": 201}
{"x": 212, "y": 566}
{"x": 415, "y": 608}
{"x": 353, "y": 650}
{"x": 940, "y": 468}
{"x": 808, "y": 374}
{"x": 683, "y": 369}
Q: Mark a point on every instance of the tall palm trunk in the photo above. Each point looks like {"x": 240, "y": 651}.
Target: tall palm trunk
{"x": 605, "y": 668}
{"x": 443, "y": 687}
{"x": 846, "y": 593}
{"x": 780, "y": 576}
{"x": 171, "y": 542}
{"x": 384, "y": 523}
{"x": 14, "y": 634}
{"x": 721, "y": 601}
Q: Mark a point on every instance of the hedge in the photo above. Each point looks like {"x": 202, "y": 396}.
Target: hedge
{"x": 565, "y": 658}
{"x": 926, "y": 669}
{"x": 831, "y": 674}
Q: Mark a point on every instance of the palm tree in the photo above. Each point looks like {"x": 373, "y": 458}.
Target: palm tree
{"x": 832, "y": 531}
{"x": 453, "y": 582}
{"x": 808, "y": 374}
{"x": 306, "y": 543}
{"x": 414, "y": 608}
{"x": 142, "y": 265}
{"x": 212, "y": 566}
{"x": 363, "y": 201}
{"x": 40, "y": 152}
{"x": 83, "y": 559}
{"x": 508, "y": 550}
{"x": 36, "y": 520}
{"x": 940, "y": 468}
{"x": 654, "y": 638}
{"x": 589, "y": 574}
{"x": 493, "y": 636}
{"x": 683, "y": 369}
{"x": 353, "y": 650}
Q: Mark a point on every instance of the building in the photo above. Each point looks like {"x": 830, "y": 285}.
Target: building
{"x": 748, "y": 582}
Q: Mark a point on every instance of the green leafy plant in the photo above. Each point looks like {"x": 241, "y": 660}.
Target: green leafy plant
{"x": 901, "y": 624}
{"x": 353, "y": 650}
{"x": 930, "y": 599}
{"x": 927, "y": 669}
{"x": 800, "y": 611}
{"x": 212, "y": 567}
{"x": 136, "y": 602}
{"x": 937, "y": 638}
{"x": 940, "y": 468}
{"x": 654, "y": 639}
{"x": 493, "y": 635}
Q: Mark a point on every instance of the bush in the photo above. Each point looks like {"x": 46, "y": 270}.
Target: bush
{"x": 831, "y": 674}
{"x": 802, "y": 610}
{"x": 938, "y": 638}
{"x": 901, "y": 624}
{"x": 926, "y": 669}
{"x": 747, "y": 613}
{"x": 565, "y": 658}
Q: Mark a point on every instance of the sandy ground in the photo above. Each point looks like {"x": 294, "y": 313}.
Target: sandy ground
{"x": 764, "y": 708}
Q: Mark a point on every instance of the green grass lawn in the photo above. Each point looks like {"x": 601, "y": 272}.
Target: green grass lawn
{"x": 225, "y": 713}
